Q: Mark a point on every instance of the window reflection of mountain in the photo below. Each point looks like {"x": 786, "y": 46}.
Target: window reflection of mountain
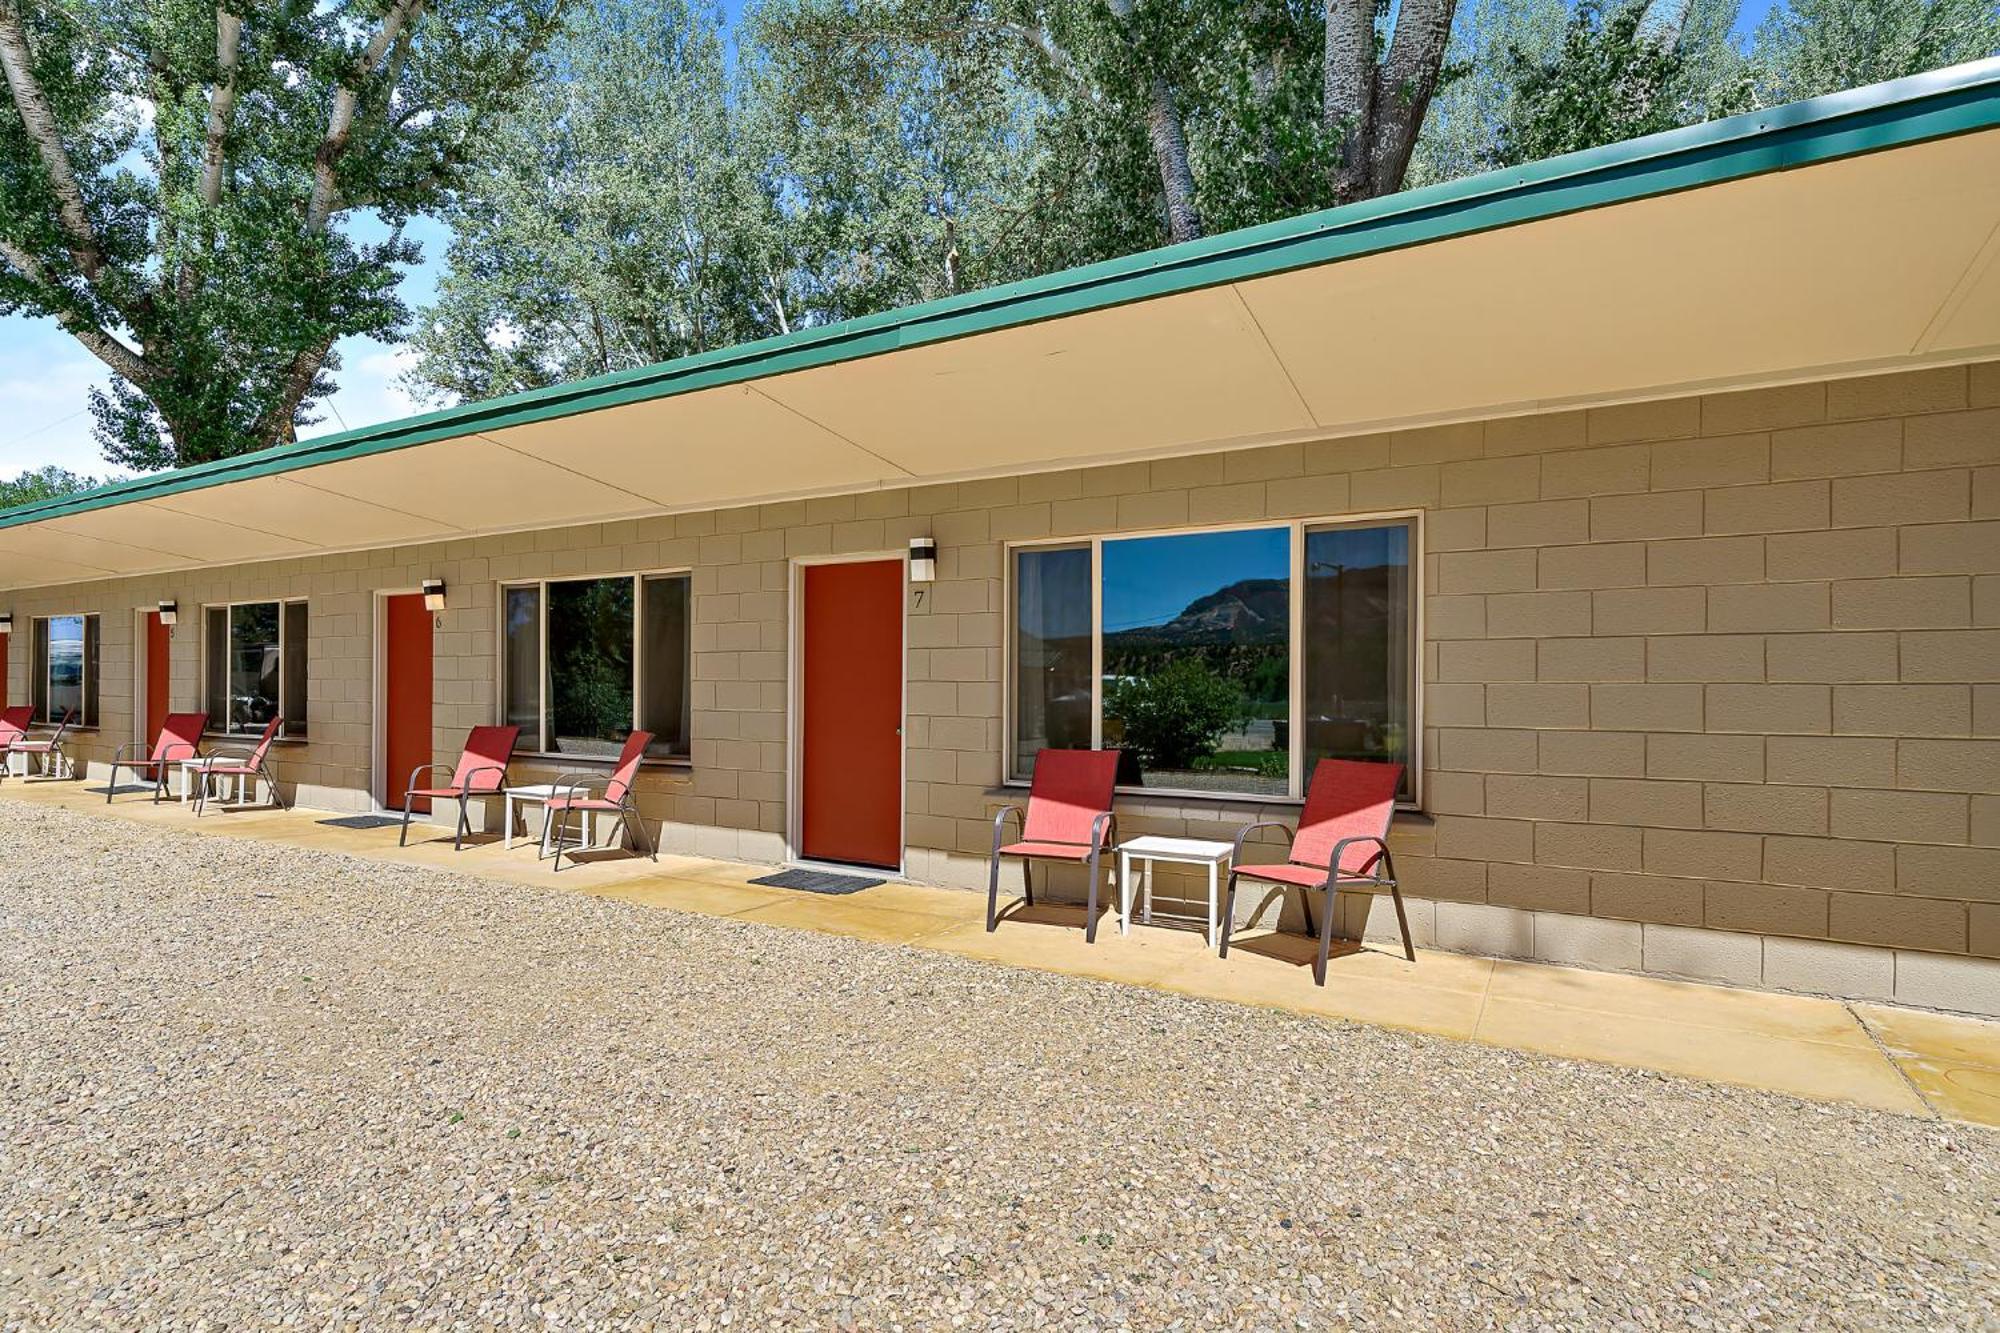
{"x": 1240, "y": 632}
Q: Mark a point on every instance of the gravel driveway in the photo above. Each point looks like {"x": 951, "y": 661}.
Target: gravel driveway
{"x": 245, "y": 1085}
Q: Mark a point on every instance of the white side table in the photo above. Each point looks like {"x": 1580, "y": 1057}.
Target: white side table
{"x": 1181, "y": 851}
{"x": 195, "y": 770}
{"x": 539, "y": 794}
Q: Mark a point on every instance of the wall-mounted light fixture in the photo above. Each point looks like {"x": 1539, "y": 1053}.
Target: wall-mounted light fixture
{"x": 170, "y": 613}
{"x": 923, "y": 559}
{"x": 433, "y": 594}
{"x": 6, "y": 622}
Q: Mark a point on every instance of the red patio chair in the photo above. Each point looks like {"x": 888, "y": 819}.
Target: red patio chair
{"x": 481, "y": 771}
{"x": 53, "y": 758}
{"x": 1342, "y": 842}
{"x": 572, "y": 797}
{"x": 1069, "y": 818}
{"x": 242, "y": 764}
{"x": 14, "y": 724}
{"x": 179, "y": 738}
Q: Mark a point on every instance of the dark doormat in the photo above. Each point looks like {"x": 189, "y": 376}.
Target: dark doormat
{"x": 122, "y": 789}
{"x": 818, "y": 881}
{"x": 363, "y": 821}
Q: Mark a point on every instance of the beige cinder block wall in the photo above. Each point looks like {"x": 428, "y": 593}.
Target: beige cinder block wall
{"x": 1711, "y": 664}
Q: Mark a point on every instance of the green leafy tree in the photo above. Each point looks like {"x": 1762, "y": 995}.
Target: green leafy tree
{"x": 1175, "y": 714}
{"x": 1466, "y": 117}
{"x": 177, "y": 182}
{"x": 1531, "y": 78}
{"x": 903, "y": 163}
{"x": 1607, "y": 81}
{"x": 43, "y": 483}
{"x": 1809, "y": 47}
{"x": 1619, "y": 72}
{"x": 613, "y": 219}
{"x": 1169, "y": 117}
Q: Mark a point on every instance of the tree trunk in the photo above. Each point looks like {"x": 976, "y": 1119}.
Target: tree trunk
{"x": 18, "y": 62}
{"x": 1404, "y": 87}
{"x": 106, "y": 347}
{"x": 1664, "y": 21}
{"x": 1169, "y": 140}
{"x": 1348, "y": 98}
{"x": 228, "y": 38}
{"x": 346, "y": 100}
{"x": 1379, "y": 110}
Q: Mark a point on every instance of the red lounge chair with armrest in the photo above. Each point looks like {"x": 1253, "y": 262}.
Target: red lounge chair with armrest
{"x": 572, "y": 797}
{"x": 179, "y": 738}
{"x": 481, "y": 771}
{"x": 1341, "y": 843}
{"x": 14, "y": 724}
{"x": 242, "y": 764}
{"x": 52, "y": 757}
{"x": 1068, "y": 818}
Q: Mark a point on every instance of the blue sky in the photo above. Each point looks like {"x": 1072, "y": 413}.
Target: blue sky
{"x": 45, "y": 378}
{"x": 1150, "y": 580}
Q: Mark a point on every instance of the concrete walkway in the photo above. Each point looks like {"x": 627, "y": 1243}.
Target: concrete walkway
{"x": 1893, "y": 1059}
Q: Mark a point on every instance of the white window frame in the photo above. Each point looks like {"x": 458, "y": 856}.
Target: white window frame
{"x": 84, "y": 680}
{"x": 1296, "y": 528}
{"x": 228, "y": 624}
{"x": 539, "y": 750}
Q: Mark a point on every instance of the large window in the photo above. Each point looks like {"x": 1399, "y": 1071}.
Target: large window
{"x": 65, "y": 670}
{"x": 587, "y": 660}
{"x": 1224, "y": 662}
{"x": 254, "y": 666}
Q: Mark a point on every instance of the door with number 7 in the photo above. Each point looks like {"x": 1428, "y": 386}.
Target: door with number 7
{"x": 851, "y": 713}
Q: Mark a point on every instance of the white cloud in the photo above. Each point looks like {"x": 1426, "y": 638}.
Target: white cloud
{"x": 45, "y": 382}
{"x": 369, "y": 390}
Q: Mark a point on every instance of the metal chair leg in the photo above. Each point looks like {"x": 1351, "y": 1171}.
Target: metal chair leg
{"x": 1396, "y": 897}
{"x": 1326, "y": 937}
{"x": 636, "y": 828}
{"x": 112, "y": 785}
{"x": 403, "y": 838}
{"x": 1090, "y": 921}
{"x": 1027, "y": 882}
{"x": 993, "y": 893}
{"x": 459, "y": 830}
{"x": 1228, "y": 915}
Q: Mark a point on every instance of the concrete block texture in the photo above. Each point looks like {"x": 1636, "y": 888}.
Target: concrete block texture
{"x": 1701, "y": 670}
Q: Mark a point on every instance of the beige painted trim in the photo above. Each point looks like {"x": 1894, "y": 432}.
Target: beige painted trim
{"x": 1535, "y": 407}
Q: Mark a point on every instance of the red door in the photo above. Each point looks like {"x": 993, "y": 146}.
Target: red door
{"x": 159, "y": 650}
{"x": 851, "y": 704}
{"x": 406, "y": 699}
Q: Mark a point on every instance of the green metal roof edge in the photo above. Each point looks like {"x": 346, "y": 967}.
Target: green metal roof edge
{"x": 1962, "y": 99}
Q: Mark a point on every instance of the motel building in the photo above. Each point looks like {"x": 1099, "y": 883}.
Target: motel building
{"x": 1643, "y": 503}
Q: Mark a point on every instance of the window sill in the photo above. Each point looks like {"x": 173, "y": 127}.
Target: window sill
{"x": 607, "y": 762}
{"x": 1141, "y": 799}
